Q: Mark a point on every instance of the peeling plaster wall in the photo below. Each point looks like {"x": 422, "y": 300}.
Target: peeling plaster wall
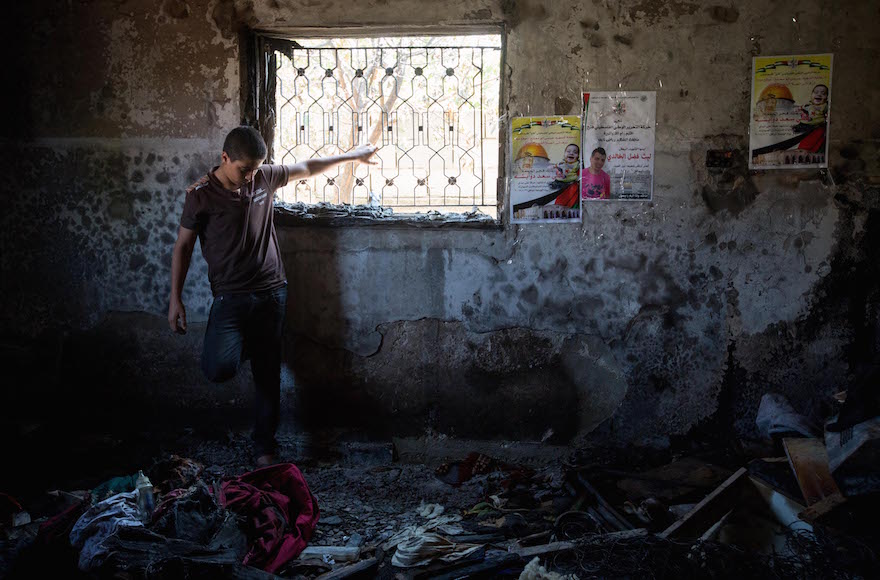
{"x": 650, "y": 321}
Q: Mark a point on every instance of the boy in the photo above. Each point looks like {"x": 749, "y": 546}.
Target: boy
{"x": 595, "y": 183}
{"x": 229, "y": 211}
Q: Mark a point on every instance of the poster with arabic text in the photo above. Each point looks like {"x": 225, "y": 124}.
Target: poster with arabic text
{"x": 618, "y": 145}
{"x": 545, "y": 173}
{"x": 791, "y": 111}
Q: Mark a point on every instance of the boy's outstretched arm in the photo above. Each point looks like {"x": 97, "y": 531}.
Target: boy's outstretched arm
{"x": 318, "y": 165}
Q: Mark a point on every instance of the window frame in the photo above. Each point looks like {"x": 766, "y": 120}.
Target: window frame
{"x": 257, "y": 95}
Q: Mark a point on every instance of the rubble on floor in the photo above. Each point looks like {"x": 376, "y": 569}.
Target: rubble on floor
{"x": 590, "y": 514}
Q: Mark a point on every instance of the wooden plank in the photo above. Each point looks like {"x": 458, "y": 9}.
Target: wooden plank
{"x": 606, "y": 509}
{"x": 809, "y": 461}
{"x": 722, "y": 499}
{"x": 350, "y": 570}
{"x": 825, "y": 506}
{"x": 712, "y": 532}
{"x": 553, "y": 547}
{"x": 338, "y": 553}
{"x": 685, "y": 480}
{"x": 477, "y": 538}
{"x": 477, "y": 570}
{"x": 533, "y": 538}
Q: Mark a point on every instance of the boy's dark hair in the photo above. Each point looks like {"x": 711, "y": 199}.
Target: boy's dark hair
{"x": 600, "y": 151}
{"x": 244, "y": 143}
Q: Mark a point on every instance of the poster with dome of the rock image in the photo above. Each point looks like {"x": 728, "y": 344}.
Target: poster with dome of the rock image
{"x": 791, "y": 111}
{"x": 545, "y": 169}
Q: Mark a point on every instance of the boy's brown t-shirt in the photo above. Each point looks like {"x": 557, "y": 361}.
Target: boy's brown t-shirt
{"x": 237, "y": 232}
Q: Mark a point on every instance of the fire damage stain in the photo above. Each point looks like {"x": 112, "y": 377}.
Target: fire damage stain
{"x": 626, "y": 262}
{"x": 176, "y": 9}
{"x": 720, "y": 424}
{"x": 137, "y": 261}
{"x": 625, "y": 39}
{"x": 517, "y": 11}
{"x": 590, "y": 24}
{"x": 654, "y": 11}
{"x": 556, "y": 271}
{"x": 659, "y": 287}
{"x": 849, "y": 151}
{"x": 224, "y": 17}
{"x": 723, "y": 13}
{"x": 120, "y": 209}
{"x": 530, "y": 294}
{"x": 852, "y": 163}
{"x": 535, "y": 254}
{"x": 730, "y": 188}
{"x": 481, "y": 14}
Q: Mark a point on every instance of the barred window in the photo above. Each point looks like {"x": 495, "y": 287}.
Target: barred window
{"x": 430, "y": 103}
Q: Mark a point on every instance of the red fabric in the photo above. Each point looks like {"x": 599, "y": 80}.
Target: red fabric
{"x": 282, "y": 513}
{"x": 569, "y": 197}
{"x": 814, "y": 140}
{"x": 166, "y": 503}
{"x": 57, "y": 528}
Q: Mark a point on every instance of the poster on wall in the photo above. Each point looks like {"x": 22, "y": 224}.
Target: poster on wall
{"x": 791, "y": 107}
{"x": 545, "y": 175}
{"x": 618, "y": 145}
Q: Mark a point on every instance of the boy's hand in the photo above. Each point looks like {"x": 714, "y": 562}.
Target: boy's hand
{"x": 177, "y": 316}
{"x": 364, "y": 154}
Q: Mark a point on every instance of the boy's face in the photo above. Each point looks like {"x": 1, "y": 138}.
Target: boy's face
{"x": 239, "y": 171}
{"x": 820, "y": 95}
{"x": 571, "y": 153}
{"x": 597, "y": 161}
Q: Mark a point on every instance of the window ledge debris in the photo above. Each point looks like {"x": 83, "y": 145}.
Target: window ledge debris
{"x": 327, "y": 214}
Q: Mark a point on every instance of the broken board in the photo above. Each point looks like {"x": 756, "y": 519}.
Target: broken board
{"x": 809, "y": 461}
{"x": 713, "y": 507}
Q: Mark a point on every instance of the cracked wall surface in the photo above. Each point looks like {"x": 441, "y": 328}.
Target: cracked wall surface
{"x": 645, "y": 323}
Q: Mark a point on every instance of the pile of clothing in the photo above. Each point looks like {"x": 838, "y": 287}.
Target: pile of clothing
{"x": 259, "y": 520}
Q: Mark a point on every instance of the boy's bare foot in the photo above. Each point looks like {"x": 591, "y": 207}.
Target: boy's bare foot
{"x": 267, "y": 460}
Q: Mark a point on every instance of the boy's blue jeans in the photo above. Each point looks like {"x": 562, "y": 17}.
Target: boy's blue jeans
{"x": 248, "y": 326}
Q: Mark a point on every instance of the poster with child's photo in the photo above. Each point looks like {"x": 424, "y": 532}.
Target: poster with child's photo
{"x": 545, "y": 174}
{"x": 791, "y": 111}
{"x": 618, "y": 145}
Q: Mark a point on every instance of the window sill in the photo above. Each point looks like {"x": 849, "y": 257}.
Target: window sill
{"x": 328, "y": 215}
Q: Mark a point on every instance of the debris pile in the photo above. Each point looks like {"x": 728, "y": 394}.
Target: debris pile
{"x": 801, "y": 508}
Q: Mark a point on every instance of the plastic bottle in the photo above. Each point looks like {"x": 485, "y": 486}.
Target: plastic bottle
{"x": 144, "y": 497}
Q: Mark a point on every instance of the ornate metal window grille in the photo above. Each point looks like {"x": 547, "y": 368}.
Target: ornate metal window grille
{"x": 431, "y": 110}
